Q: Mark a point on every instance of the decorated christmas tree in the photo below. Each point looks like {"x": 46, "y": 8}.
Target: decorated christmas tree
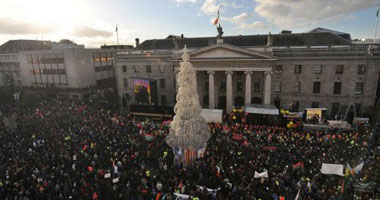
{"x": 188, "y": 130}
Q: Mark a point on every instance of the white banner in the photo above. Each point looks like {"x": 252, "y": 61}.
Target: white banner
{"x": 262, "y": 174}
{"x": 182, "y": 196}
{"x": 115, "y": 180}
{"x": 336, "y": 169}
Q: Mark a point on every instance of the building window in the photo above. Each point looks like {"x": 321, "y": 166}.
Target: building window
{"x": 127, "y": 97}
{"x": 136, "y": 68}
{"x": 239, "y": 87}
{"x": 277, "y": 102}
{"x": 318, "y": 69}
{"x": 163, "y": 100}
{"x": 361, "y": 69}
{"x": 339, "y": 69}
{"x": 278, "y": 69}
{"x": 298, "y": 69}
{"x": 317, "y": 87}
{"x": 206, "y": 85}
{"x": 334, "y": 110}
{"x": 297, "y": 87}
{"x": 358, "y": 107}
{"x": 211, "y": 42}
{"x": 315, "y": 104}
{"x": 125, "y": 82}
{"x": 359, "y": 88}
{"x": 149, "y": 69}
{"x": 162, "y": 68}
{"x": 337, "y": 87}
{"x": 124, "y": 67}
{"x": 277, "y": 86}
{"x": 223, "y": 86}
{"x": 256, "y": 86}
{"x": 162, "y": 83}
{"x": 295, "y": 106}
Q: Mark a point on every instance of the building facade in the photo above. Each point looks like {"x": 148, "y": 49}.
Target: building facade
{"x": 62, "y": 69}
{"x": 321, "y": 68}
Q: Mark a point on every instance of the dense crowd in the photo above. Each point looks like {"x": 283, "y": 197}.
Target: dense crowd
{"x": 74, "y": 150}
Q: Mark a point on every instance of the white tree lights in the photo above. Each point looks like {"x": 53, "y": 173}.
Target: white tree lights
{"x": 188, "y": 130}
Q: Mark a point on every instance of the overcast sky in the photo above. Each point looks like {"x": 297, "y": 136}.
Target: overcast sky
{"x": 93, "y": 22}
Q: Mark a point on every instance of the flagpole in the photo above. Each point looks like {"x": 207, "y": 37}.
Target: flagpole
{"x": 118, "y": 49}
{"x": 377, "y": 20}
{"x": 218, "y": 18}
{"x": 117, "y": 37}
{"x": 369, "y": 51}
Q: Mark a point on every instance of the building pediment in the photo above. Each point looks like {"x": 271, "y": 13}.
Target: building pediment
{"x": 226, "y": 52}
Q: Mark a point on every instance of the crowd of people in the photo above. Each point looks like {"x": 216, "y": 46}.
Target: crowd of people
{"x": 64, "y": 149}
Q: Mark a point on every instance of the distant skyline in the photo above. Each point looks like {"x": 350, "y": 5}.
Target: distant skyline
{"x": 93, "y": 22}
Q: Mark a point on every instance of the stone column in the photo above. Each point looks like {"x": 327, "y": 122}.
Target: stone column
{"x": 248, "y": 89}
{"x": 196, "y": 80}
{"x": 229, "y": 92}
{"x": 176, "y": 80}
{"x": 211, "y": 92}
{"x": 267, "y": 87}
{"x": 198, "y": 77}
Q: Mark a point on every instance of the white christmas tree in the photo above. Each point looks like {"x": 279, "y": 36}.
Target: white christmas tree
{"x": 188, "y": 130}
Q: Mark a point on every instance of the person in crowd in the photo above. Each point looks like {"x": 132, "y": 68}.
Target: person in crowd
{"x": 65, "y": 149}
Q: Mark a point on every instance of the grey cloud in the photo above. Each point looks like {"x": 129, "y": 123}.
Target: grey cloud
{"x": 86, "y": 31}
{"x": 9, "y": 26}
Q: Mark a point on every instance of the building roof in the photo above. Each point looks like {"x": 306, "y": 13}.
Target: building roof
{"x": 25, "y": 45}
{"x": 116, "y": 46}
{"x": 325, "y": 30}
{"x": 298, "y": 39}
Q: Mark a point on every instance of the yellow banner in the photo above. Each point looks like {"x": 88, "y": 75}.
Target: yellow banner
{"x": 310, "y": 114}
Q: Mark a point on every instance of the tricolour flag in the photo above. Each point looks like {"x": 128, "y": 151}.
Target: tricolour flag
{"x": 148, "y": 137}
{"x": 217, "y": 19}
{"x": 217, "y": 171}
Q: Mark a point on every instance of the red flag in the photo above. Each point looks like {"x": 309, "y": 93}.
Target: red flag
{"x": 82, "y": 108}
{"x": 298, "y": 165}
{"x": 95, "y": 196}
{"x": 84, "y": 147}
{"x": 237, "y": 136}
{"x": 180, "y": 184}
{"x": 269, "y": 148}
{"x": 158, "y": 196}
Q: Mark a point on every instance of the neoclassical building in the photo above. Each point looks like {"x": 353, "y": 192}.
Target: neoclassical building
{"x": 321, "y": 68}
